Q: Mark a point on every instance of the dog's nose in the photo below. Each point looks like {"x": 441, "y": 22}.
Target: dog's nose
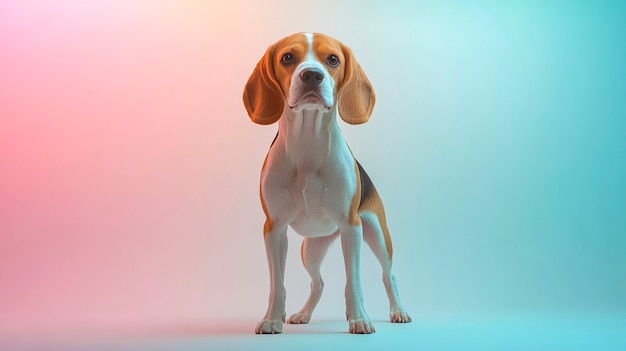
{"x": 311, "y": 77}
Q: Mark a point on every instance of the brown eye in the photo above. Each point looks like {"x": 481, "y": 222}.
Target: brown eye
{"x": 287, "y": 59}
{"x": 333, "y": 61}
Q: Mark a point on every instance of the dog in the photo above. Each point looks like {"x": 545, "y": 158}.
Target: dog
{"x": 310, "y": 180}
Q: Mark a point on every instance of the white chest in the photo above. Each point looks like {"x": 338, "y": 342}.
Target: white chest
{"x": 309, "y": 189}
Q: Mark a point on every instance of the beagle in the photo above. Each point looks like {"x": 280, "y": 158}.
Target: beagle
{"x": 310, "y": 180}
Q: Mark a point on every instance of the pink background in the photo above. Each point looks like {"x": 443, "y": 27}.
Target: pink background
{"x": 128, "y": 164}
{"x": 129, "y": 168}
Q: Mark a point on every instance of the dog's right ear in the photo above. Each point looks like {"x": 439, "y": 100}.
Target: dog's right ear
{"x": 262, "y": 95}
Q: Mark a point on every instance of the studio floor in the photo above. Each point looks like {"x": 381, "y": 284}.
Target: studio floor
{"x": 468, "y": 333}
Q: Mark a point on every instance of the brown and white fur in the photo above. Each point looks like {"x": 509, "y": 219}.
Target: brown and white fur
{"x": 310, "y": 179}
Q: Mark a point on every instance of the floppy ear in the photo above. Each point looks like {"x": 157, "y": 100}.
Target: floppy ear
{"x": 262, "y": 95}
{"x": 356, "y": 96}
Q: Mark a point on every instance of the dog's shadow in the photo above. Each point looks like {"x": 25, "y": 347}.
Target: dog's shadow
{"x": 243, "y": 328}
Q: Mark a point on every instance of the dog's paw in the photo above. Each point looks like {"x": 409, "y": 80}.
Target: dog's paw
{"x": 399, "y": 316}
{"x": 300, "y": 318}
{"x": 268, "y": 326}
{"x": 361, "y": 326}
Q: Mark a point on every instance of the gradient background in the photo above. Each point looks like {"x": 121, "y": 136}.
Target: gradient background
{"x": 129, "y": 168}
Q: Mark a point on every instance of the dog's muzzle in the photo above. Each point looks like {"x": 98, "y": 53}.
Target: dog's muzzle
{"x": 311, "y": 77}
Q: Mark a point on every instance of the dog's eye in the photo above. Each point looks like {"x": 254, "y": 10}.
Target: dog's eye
{"x": 287, "y": 59}
{"x": 332, "y": 60}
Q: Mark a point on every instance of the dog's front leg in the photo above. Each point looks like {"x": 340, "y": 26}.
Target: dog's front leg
{"x": 276, "y": 248}
{"x": 351, "y": 241}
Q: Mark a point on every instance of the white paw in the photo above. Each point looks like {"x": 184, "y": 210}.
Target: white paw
{"x": 399, "y": 316}
{"x": 300, "y": 318}
{"x": 268, "y": 326}
{"x": 361, "y": 326}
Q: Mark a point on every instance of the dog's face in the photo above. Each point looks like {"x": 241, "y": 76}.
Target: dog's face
{"x": 308, "y": 71}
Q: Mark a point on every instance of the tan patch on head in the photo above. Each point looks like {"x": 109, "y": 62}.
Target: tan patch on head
{"x": 325, "y": 46}
{"x": 296, "y": 45}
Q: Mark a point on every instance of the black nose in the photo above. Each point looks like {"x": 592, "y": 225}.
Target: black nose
{"x": 311, "y": 77}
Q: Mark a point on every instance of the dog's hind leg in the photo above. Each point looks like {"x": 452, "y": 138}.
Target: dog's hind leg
{"x": 374, "y": 236}
{"x": 313, "y": 252}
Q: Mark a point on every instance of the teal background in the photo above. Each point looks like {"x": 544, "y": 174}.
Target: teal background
{"x": 500, "y": 136}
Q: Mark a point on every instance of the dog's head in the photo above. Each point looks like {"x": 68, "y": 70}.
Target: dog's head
{"x": 308, "y": 71}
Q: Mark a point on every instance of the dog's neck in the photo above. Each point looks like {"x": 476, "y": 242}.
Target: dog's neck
{"x": 309, "y": 135}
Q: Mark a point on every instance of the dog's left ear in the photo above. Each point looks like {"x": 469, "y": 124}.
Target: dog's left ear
{"x": 356, "y": 96}
{"x": 262, "y": 95}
